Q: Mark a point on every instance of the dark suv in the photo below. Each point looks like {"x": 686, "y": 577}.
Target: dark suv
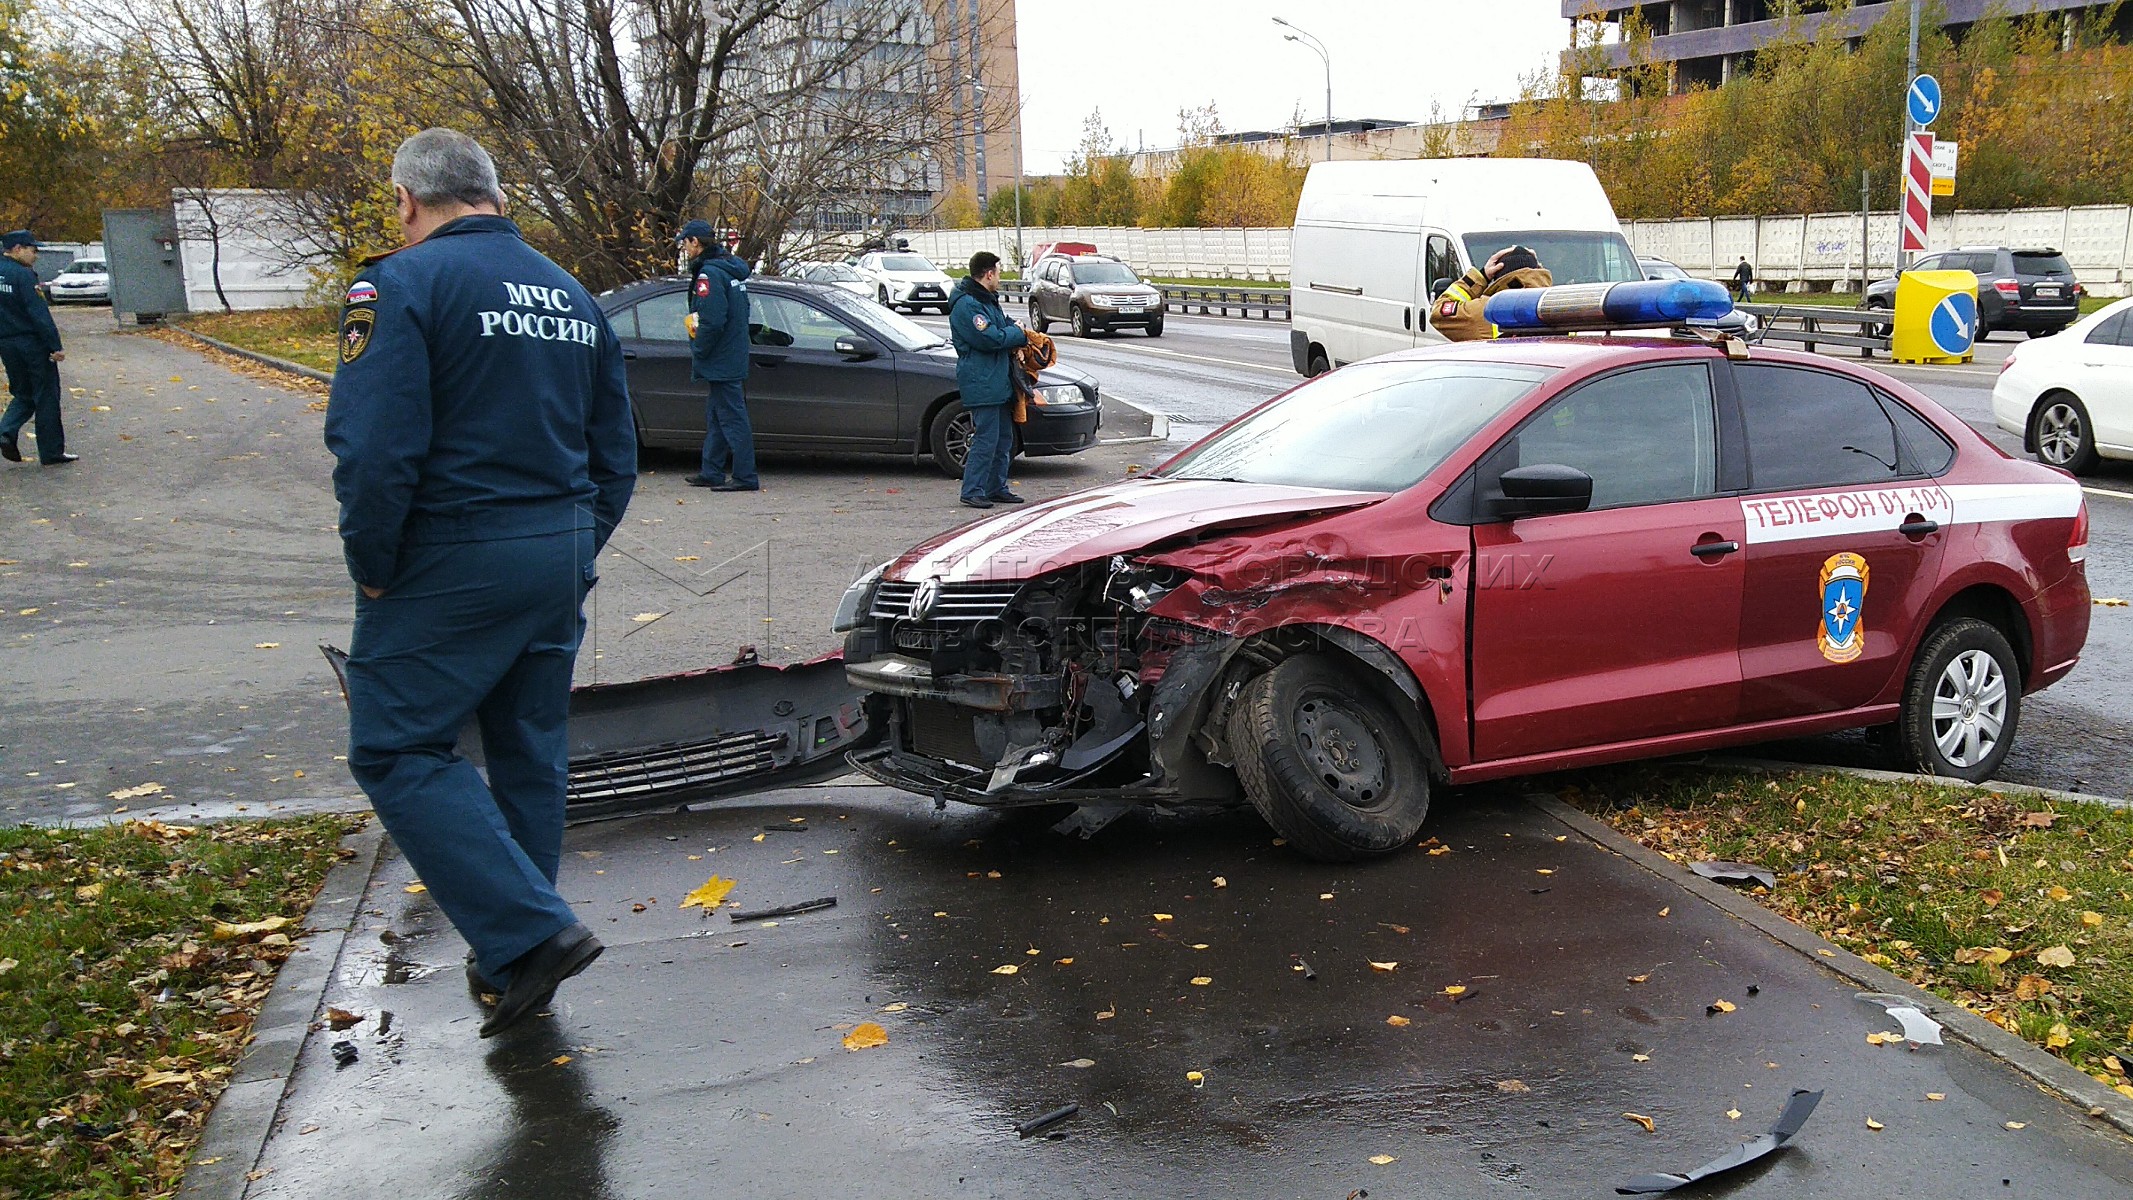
{"x": 2030, "y": 290}
{"x": 1094, "y": 292}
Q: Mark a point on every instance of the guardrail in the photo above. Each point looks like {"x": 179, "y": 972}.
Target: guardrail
{"x": 1807, "y": 324}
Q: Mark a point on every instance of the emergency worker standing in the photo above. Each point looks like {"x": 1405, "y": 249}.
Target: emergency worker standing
{"x": 718, "y": 350}
{"x": 1457, "y": 314}
{"x": 481, "y": 420}
{"x": 984, "y": 337}
{"x": 30, "y": 348}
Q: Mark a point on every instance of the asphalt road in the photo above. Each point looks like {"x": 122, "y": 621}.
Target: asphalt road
{"x": 1203, "y": 371}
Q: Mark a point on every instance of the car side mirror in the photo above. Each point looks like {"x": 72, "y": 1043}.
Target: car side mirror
{"x": 1542, "y": 490}
{"x": 857, "y": 348}
{"x": 1437, "y": 287}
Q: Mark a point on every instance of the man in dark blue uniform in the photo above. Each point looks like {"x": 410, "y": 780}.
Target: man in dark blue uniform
{"x": 29, "y": 346}
{"x": 985, "y": 338}
{"x": 718, "y": 347}
{"x": 482, "y": 425}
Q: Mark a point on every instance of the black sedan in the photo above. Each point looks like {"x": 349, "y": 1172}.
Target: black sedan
{"x": 829, "y": 372}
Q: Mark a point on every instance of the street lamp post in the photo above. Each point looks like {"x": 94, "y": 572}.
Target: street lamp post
{"x": 1308, "y": 42}
{"x": 975, "y": 83}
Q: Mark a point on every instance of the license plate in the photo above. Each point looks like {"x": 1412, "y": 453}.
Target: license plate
{"x": 2048, "y": 290}
{"x": 1131, "y": 308}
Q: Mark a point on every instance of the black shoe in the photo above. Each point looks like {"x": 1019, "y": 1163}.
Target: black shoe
{"x": 484, "y": 992}
{"x": 10, "y": 451}
{"x": 61, "y": 461}
{"x": 969, "y": 503}
{"x": 537, "y": 973}
{"x": 700, "y": 481}
{"x": 736, "y": 487}
{"x": 1006, "y": 498}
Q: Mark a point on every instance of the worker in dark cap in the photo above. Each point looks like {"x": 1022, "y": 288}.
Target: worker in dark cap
{"x": 29, "y": 346}
{"x": 1457, "y": 314}
{"x": 481, "y": 422}
{"x": 718, "y": 348}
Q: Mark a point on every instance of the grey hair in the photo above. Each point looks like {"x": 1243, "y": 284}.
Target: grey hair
{"x": 438, "y": 166}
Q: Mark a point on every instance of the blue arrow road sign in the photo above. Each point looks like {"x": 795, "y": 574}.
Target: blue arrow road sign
{"x": 1923, "y": 99}
{"x": 1954, "y": 323}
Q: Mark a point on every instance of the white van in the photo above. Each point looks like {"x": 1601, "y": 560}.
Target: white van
{"x": 1375, "y": 242}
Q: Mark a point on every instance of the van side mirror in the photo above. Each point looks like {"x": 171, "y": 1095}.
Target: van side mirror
{"x": 857, "y": 348}
{"x": 1542, "y": 490}
{"x": 1437, "y": 287}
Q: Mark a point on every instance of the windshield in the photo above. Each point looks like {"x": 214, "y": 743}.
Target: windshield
{"x": 2041, "y": 264}
{"x": 1104, "y": 272}
{"x": 905, "y": 262}
{"x": 1371, "y": 427}
{"x": 837, "y": 273}
{"x": 899, "y": 331}
{"x": 1571, "y": 256}
{"x": 88, "y": 266}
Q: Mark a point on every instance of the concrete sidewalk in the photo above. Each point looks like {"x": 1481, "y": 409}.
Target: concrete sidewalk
{"x": 701, "y": 1057}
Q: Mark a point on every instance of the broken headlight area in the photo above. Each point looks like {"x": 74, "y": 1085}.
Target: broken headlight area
{"x": 1005, "y": 693}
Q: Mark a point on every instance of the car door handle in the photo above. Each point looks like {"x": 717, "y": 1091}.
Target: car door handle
{"x": 1713, "y": 549}
{"x": 1917, "y": 527}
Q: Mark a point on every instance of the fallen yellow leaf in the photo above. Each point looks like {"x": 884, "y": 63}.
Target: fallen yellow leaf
{"x": 1436, "y": 850}
{"x": 1640, "y": 1119}
{"x": 1384, "y": 966}
{"x": 1732, "y": 1114}
{"x": 866, "y": 1036}
{"x": 559, "y": 1060}
{"x": 89, "y": 891}
{"x": 647, "y": 618}
{"x": 2059, "y": 893}
{"x": 2057, "y": 956}
{"x": 1512, "y": 1086}
{"x": 1383, "y": 1160}
{"x": 1398, "y": 1021}
{"x": 2059, "y": 1037}
{"x": 1991, "y": 956}
{"x": 1543, "y": 871}
{"x": 224, "y": 932}
{"x": 1639, "y": 978}
{"x": 2092, "y": 918}
{"x": 145, "y": 789}
{"x": 1874, "y": 1125}
{"x": 899, "y": 1006}
{"x": 1640, "y": 1058}
{"x": 165, "y": 1078}
{"x": 1456, "y": 989}
{"x": 1195, "y": 1078}
{"x": 2017, "y": 1124}
{"x": 266, "y": 645}
{"x": 1221, "y": 882}
{"x": 1664, "y": 911}
{"x": 416, "y": 889}
{"x": 1202, "y": 980}
{"x": 1724, "y": 1006}
{"x": 1062, "y": 962}
{"x": 1199, "y": 945}
{"x": 1164, "y": 917}
{"x": 710, "y": 895}
{"x": 1325, "y": 895}
{"x": 1935, "y": 1096}
{"x": 1006, "y": 969}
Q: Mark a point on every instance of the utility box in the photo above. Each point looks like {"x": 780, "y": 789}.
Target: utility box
{"x": 1936, "y": 317}
{"x": 147, "y": 272}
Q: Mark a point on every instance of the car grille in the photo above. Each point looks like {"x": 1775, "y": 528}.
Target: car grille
{"x": 946, "y": 731}
{"x": 672, "y": 768}
{"x": 959, "y": 602}
{"x": 1148, "y": 300}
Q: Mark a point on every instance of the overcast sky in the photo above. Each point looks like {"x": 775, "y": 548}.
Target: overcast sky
{"x": 1140, "y": 61}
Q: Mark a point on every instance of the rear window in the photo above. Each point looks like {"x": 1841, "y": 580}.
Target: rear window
{"x": 1371, "y": 427}
{"x": 2041, "y": 264}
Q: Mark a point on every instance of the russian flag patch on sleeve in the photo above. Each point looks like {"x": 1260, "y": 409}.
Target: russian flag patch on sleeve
{"x": 362, "y": 291}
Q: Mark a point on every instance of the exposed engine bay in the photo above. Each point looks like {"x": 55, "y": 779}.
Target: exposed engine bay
{"x": 1057, "y": 689}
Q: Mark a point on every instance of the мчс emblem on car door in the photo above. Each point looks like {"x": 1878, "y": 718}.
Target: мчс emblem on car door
{"x": 1841, "y": 637}
{"x": 923, "y": 600}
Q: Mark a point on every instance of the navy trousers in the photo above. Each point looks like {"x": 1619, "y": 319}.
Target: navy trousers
{"x": 992, "y": 448}
{"x": 485, "y": 632}
{"x": 729, "y": 443}
{"x": 33, "y": 380}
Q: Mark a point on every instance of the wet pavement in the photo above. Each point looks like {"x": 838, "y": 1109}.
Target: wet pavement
{"x": 704, "y": 1058}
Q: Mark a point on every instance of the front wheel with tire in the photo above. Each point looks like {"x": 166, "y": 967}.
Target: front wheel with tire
{"x": 948, "y": 437}
{"x": 2063, "y": 434}
{"x": 1036, "y": 318}
{"x": 1961, "y": 702}
{"x": 1082, "y": 327}
{"x": 1155, "y": 327}
{"x": 1330, "y": 765}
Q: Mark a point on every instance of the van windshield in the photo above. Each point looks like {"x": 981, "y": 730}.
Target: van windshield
{"x": 1571, "y": 256}
{"x": 1370, "y": 427}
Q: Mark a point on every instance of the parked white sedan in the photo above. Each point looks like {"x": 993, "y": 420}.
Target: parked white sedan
{"x": 84, "y": 279}
{"x": 2070, "y": 395}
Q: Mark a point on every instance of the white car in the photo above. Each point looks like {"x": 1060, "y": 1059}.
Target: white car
{"x": 2070, "y": 395}
{"x": 837, "y": 275}
{"x": 902, "y": 279}
{"x": 84, "y": 279}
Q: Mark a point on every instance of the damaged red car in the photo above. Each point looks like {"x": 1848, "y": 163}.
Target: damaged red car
{"x": 1479, "y": 561}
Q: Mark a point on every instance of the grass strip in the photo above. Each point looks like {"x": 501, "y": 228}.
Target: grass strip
{"x": 133, "y": 960}
{"x": 301, "y": 335}
{"x": 2018, "y": 909}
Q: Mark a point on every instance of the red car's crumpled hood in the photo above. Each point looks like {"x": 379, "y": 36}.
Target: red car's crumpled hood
{"x": 1118, "y": 518}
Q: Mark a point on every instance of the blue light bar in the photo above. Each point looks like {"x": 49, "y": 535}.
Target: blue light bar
{"x": 1585, "y": 306}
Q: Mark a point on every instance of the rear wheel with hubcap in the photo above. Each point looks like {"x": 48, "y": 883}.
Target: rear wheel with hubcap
{"x": 1961, "y": 702}
{"x": 1327, "y": 762}
{"x": 2063, "y": 434}
{"x": 949, "y": 438}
